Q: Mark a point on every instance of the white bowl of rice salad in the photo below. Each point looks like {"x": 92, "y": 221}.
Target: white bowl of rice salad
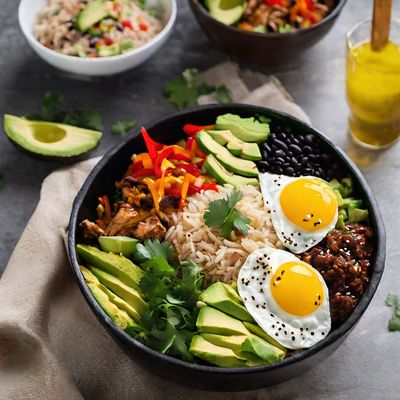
{"x": 96, "y": 37}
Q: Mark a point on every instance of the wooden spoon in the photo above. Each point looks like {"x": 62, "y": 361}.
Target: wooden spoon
{"x": 380, "y": 24}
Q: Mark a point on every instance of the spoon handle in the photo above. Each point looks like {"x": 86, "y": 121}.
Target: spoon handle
{"x": 381, "y": 24}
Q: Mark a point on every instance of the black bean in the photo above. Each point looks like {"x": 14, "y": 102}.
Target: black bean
{"x": 295, "y": 161}
{"x": 307, "y": 150}
{"x": 311, "y": 157}
{"x": 263, "y": 164}
{"x": 300, "y": 137}
{"x": 264, "y": 153}
{"x": 309, "y": 138}
{"x": 279, "y": 170}
{"x": 305, "y": 160}
{"x": 120, "y": 27}
{"x": 296, "y": 141}
{"x": 295, "y": 149}
{"x": 289, "y": 171}
{"x": 273, "y": 147}
{"x": 289, "y": 154}
{"x": 266, "y": 147}
{"x": 279, "y": 160}
{"x": 280, "y": 153}
{"x": 281, "y": 145}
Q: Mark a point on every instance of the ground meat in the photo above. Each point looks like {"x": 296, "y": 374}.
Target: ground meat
{"x": 343, "y": 258}
{"x": 90, "y": 230}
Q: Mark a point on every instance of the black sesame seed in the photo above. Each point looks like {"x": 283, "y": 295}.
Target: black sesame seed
{"x": 293, "y": 338}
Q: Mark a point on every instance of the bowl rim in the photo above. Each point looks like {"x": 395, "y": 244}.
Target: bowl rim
{"x": 28, "y": 33}
{"x": 195, "y": 4}
{"x": 347, "y": 326}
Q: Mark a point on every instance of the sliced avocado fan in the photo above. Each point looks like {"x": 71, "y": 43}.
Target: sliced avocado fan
{"x": 50, "y": 139}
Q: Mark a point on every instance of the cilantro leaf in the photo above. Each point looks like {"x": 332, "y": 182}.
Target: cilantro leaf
{"x": 84, "y": 118}
{"x": 393, "y": 301}
{"x": 222, "y": 94}
{"x": 152, "y": 248}
{"x": 222, "y": 214}
{"x": 184, "y": 91}
{"x": 123, "y": 126}
{"x": 159, "y": 266}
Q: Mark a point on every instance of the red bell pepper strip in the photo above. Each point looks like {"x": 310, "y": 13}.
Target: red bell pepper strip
{"x": 165, "y": 154}
{"x": 173, "y": 192}
{"x": 189, "y": 143}
{"x": 191, "y": 168}
{"x": 152, "y": 146}
{"x": 142, "y": 172}
{"x": 191, "y": 130}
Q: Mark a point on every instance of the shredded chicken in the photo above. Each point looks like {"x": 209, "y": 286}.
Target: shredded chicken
{"x": 125, "y": 220}
{"x": 150, "y": 228}
{"x": 90, "y": 230}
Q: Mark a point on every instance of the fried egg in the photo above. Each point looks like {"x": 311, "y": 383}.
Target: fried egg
{"x": 303, "y": 209}
{"x": 287, "y": 297}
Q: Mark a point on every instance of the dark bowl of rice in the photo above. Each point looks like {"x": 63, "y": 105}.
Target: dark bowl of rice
{"x": 259, "y": 48}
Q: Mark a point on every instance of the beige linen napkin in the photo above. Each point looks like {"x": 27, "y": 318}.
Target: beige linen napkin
{"x": 51, "y": 345}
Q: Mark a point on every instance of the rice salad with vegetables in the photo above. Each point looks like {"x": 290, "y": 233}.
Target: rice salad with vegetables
{"x": 96, "y": 28}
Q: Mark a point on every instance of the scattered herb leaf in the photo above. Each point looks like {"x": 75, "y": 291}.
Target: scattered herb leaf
{"x": 184, "y": 91}
{"x": 54, "y": 110}
{"x": 223, "y": 214}
{"x": 393, "y": 301}
{"x": 123, "y": 126}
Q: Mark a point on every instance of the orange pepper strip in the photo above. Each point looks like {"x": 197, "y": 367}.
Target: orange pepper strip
{"x": 184, "y": 190}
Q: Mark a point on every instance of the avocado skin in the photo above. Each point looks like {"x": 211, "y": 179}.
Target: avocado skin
{"x": 246, "y": 129}
{"x": 223, "y": 176}
{"x": 229, "y": 161}
{"x": 225, "y": 298}
{"x": 117, "y": 265}
{"x": 12, "y": 125}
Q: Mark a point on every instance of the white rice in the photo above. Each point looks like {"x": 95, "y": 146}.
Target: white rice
{"x": 221, "y": 258}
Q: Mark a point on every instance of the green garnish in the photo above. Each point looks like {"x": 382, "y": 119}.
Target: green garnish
{"x": 286, "y": 28}
{"x": 172, "y": 289}
{"x": 223, "y": 214}
{"x": 393, "y": 301}
{"x": 123, "y": 126}
{"x": 184, "y": 91}
{"x": 54, "y": 110}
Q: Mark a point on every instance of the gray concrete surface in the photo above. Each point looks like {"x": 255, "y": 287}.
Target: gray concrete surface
{"x": 367, "y": 366}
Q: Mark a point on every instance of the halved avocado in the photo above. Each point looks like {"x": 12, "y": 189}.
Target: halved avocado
{"x": 94, "y": 12}
{"x": 50, "y": 139}
{"x": 226, "y": 11}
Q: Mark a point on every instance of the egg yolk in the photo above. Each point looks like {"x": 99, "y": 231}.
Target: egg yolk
{"x": 296, "y": 288}
{"x": 309, "y": 203}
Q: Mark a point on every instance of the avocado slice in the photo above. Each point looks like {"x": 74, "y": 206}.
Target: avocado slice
{"x": 50, "y": 139}
{"x": 233, "y": 342}
{"x": 226, "y": 299}
{"x": 109, "y": 51}
{"x": 357, "y": 215}
{"x": 258, "y": 331}
{"x": 218, "y": 355}
{"x": 223, "y": 176}
{"x": 246, "y": 129}
{"x": 226, "y": 11}
{"x": 101, "y": 295}
{"x": 117, "y": 265}
{"x": 94, "y": 12}
{"x": 248, "y": 151}
{"x": 127, "y": 293}
{"x": 118, "y": 244}
{"x": 230, "y": 162}
{"x": 211, "y": 320}
{"x": 262, "y": 349}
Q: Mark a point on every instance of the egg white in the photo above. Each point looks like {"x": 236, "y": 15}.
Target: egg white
{"x": 291, "y": 331}
{"x": 296, "y": 239}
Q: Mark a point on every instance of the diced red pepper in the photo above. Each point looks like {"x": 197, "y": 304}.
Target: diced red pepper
{"x": 173, "y": 192}
{"x": 191, "y": 168}
{"x": 152, "y": 146}
{"x": 282, "y": 3}
{"x": 107, "y": 40}
{"x": 142, "y": 172}
{"x": 143, "y": 27}
{"x": 192, "y": 130}
{"x": 209, "y": 186}
{"x": 189, "y": 143}
{"x": 127, "y": 24}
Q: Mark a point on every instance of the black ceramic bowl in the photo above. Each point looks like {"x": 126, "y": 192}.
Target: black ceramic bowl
{"x": 264, "y": 49}
{"x": 169, "y": 130}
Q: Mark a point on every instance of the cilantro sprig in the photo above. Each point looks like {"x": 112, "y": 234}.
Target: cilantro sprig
{"x": 53, "y": 109}
{"x": 123, "y": 126}
{"x": 223, "y": 214}
{"x": 184, "y": 91}
{"x": 172, "y": 289}
{"x": 393, "y": 301}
